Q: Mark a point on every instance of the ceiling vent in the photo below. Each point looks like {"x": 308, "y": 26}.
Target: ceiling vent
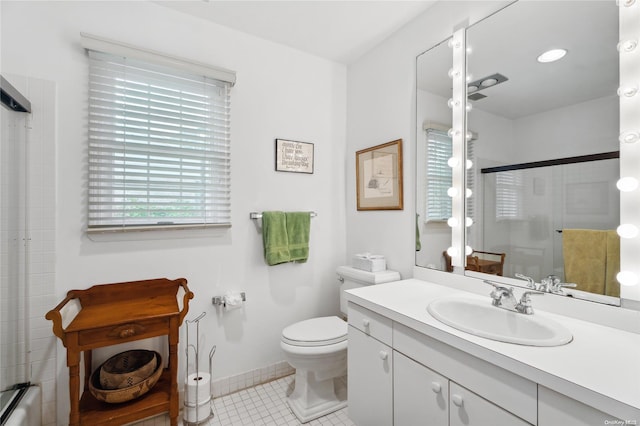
{"x": 484, "y": 83}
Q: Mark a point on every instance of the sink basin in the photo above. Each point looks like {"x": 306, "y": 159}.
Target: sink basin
{"x": 480, "y": 318}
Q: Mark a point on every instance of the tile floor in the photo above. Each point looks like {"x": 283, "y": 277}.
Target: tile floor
{"x": 262, "y": 405}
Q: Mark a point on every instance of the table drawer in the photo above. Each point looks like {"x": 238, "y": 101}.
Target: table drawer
{"x": 121, "y": 333}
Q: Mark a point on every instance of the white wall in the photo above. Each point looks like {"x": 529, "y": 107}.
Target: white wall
{"x": 381, "y": 108}
{"x": 280, "y": 93}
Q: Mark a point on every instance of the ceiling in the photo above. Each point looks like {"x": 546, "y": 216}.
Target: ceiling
{"x": 340, "y": 31}
{"x": 509, "y": 43}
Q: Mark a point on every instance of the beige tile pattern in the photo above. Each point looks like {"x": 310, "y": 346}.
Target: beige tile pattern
{"x": 262, "y": 405}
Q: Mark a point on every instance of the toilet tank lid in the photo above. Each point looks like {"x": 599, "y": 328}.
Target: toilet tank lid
{"x": 366, "y": 276}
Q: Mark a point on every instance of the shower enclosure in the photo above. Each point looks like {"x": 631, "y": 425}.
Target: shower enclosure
{"x": 27, "y": 246}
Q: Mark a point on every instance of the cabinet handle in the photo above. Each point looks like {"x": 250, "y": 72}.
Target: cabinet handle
{"x": 366, "y": 323}
{"x": 383, "y": 355}
{"x": 457, "y": 400}
{"x": 436, "y": 387}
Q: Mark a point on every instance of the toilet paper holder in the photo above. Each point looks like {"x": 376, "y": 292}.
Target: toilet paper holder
{"x": 222, "y": 300}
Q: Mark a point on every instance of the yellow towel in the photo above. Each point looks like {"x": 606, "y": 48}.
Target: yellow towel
{"x": 585, "y": 255}
{"x": 611, "y": 285}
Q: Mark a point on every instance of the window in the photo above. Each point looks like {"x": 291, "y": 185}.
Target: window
{"x": 509, "y": 190}
{"x": 159, "y": 146}
{"x": 439, "y": 179}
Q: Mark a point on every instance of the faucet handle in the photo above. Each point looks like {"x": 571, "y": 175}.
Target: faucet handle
{"x": 530, "y": 281}
{"x": 524, "y": 306}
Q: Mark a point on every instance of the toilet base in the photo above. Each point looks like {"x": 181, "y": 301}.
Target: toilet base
{"x": 311, "y": 398}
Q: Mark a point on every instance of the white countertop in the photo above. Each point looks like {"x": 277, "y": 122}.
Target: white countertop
{"x": 600, "y": 367}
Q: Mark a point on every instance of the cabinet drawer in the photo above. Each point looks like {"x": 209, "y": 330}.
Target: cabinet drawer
{"x": 370, "y": 323}
{"x": 508, "y": 390}
{"x": 121, "y": 333}
{"x": 468, "y": 409}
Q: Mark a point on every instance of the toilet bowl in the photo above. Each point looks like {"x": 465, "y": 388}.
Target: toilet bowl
{"x": 317, "y": 349}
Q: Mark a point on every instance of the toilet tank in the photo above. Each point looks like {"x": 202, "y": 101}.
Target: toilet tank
{"x": 350, "y": 277}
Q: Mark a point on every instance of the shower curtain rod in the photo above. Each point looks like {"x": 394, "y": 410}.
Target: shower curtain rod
{"x": 12, "y": 98}
{"x": 555, "y": 162}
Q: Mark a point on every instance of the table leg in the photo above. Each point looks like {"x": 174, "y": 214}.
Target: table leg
{"x": 73, "y": 362}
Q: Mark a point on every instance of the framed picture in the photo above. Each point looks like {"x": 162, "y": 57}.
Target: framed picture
{"x": 379, "y": 177}
{"x": 293, "y": 156}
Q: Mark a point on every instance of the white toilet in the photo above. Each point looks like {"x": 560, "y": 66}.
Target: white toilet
{"x": 317, "y": 349}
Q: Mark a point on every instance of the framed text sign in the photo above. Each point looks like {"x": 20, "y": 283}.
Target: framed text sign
{"x": 379, "y": 177}
{"x": 293, "y": 156}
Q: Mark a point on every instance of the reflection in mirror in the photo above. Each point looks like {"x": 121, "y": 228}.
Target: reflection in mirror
{"x": 433, "y": 205}
{"x": 545, "y": 202}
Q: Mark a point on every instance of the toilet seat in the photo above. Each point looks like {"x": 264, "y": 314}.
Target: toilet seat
{"x": 321, "y": 331}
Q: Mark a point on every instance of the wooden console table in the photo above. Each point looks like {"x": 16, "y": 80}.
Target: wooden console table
{"x": 117, "y": 313}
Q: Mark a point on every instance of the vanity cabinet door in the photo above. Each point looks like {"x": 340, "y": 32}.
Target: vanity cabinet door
{"x": 420, "y": 396}
{"x": 468, "y": 409}
{"x": 370, "y": 389}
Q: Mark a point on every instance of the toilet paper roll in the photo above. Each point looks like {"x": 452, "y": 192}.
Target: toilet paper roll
{"x": 197, "y": 414}
{"x": 232, "y": 300}
{"x": 197, "y": 382}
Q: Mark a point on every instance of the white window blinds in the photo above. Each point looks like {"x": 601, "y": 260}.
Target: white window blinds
{"x": 159, "y": 146}
{"x": 509, "y": 190}
{"x": 439, "y": 150}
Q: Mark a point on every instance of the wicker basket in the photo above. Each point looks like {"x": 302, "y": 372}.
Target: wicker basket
{"x": 114, "y": 396}
{"x": 127, "y": 369}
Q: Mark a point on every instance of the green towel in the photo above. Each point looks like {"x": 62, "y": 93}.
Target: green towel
{"x": 274, "y": 237}
{"x": 298, "y": 224}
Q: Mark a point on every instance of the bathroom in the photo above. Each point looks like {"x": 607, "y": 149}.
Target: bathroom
{"x": 280, "y": 92}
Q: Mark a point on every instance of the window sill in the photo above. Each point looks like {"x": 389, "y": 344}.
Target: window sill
{"x": 157, "y": 233}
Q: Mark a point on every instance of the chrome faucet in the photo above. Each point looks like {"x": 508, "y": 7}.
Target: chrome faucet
{"x": 551, "y": 284}
{"x": 502, "y": 297}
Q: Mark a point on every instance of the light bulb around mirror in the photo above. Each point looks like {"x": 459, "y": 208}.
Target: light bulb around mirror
{"x": 469, "y": 136}
{"x": 627, "y": 91}
{"x": 627, "y": 184}
{"x": 453, "y": 73}
{"x": 469, "y": 164}
{"x": 452, "y": 192}
{"x": 452, "y": 251}
{"x": 627, "y": 45}
{"x": 468, "y": 193}
{"x": 453, "y": 162}
{"x": 451, "y": 103}
{"x": 453, "y": 133}
{"x": 468, "y": 222}
{"x": 627, "y": 278}
{"x": 452, "y": 222}
{"x": 469, "y": 107}
{"x": 468, "y": 250}
{"x": 632, "y": 136}
{"x": 627, "y": 230}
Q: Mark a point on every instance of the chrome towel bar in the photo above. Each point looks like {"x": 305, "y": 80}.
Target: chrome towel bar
{"x": 256, "y": 215}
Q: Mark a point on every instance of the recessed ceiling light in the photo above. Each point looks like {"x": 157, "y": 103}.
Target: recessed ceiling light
{"x": 471, "y": 89}
{"x": 552, "y": 55}
{"x": 489, "y": 82}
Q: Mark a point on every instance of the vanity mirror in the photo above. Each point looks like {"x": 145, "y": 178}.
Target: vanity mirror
{"x": 433, "y": 150}
{"x": 545, "y": 148}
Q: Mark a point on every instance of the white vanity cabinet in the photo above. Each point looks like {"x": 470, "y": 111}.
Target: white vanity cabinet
{"x": 557, "y": 409}
{"x": 370, "y": 372}
{"x": 424, "y": 397}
